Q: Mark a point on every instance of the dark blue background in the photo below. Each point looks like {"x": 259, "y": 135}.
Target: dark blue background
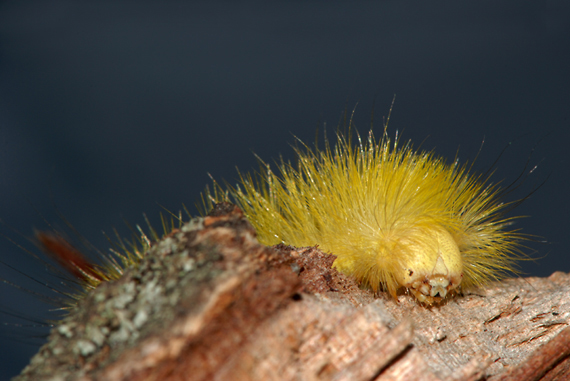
{"x": 113, "y": 107}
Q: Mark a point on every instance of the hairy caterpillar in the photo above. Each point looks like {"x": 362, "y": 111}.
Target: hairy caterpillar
{"x": 396, "y": 219}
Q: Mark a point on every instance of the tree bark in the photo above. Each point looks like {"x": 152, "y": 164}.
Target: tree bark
{"x": 209, "y": 302}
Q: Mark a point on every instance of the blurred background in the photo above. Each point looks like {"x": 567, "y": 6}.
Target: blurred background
{"x": 109, "y": 110}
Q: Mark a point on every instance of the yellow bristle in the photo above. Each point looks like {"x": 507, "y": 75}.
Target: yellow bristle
{"x": 396, "y": 219}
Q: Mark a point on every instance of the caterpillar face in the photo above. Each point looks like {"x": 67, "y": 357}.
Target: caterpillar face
{"x": 434, "y": 270}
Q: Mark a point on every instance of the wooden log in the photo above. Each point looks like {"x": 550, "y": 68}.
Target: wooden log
{"x": 210, "y": 303}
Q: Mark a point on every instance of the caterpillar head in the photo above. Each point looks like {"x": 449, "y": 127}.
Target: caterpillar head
{"x": 434, "y": 268}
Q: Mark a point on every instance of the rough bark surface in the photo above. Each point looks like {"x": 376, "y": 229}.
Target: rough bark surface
{"x": 209, "y": 302}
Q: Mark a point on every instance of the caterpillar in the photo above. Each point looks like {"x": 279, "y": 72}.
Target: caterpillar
{"x": 395, "y": 218}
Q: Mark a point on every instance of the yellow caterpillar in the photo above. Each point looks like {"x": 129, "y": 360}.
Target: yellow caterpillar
{"x": 396, "y": 219}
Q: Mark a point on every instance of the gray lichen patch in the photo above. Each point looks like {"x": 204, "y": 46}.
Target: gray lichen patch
{"x": 174, "y": 277}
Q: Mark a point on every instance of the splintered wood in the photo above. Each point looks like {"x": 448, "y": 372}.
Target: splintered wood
{"x": 210, "y": 303}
